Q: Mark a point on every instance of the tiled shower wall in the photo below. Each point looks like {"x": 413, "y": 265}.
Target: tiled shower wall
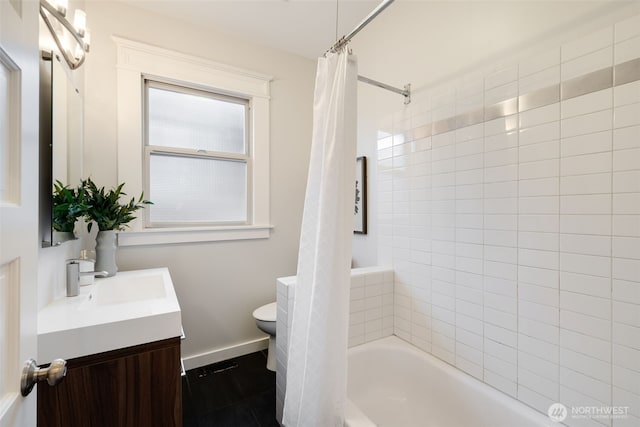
{"x": 370, "y": 316}
{"x": 509, "y": 208}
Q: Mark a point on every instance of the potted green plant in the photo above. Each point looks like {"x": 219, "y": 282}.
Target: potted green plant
{"x": 105, "y": 209}
{"x": 69, "y": 204}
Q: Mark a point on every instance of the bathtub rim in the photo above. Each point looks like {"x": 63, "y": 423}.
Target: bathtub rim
{"x": 396, "y": 343}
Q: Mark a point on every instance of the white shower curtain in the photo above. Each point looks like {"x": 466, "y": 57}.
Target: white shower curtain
{"x": 317, "y": 359}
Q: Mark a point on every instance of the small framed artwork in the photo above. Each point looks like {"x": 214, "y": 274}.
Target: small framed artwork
{"x": 360, "y": 208}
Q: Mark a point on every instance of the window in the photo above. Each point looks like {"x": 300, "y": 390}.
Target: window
{"x": 193, "y": 134}
{"x": 197, "y": 156}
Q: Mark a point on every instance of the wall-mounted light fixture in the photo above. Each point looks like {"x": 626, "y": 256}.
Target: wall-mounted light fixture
{"x": 72, "y": 40}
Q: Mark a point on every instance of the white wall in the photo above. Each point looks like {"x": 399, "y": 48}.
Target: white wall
{"x": 218, "y": 284}
{"x": 515, "y": 240}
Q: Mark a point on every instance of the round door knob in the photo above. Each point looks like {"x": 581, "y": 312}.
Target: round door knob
{"x": 31, "y": 374}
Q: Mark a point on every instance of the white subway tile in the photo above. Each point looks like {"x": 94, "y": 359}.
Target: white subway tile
{"x": 585, "y": 164}
{"x": 538, "y": 276}
{"x": 538, "y": 366}
{"x": 541, "y": 115}
{"x": 585, "y": 304}
{"x": 588, "y": 63}
{"x": 500, "y": 141}
{"x": 626, "y": 182}
{"x": 542, "y": 349}
{"x": 575, "y": 399}
{"x": 585, "y": 264}
{"x": 626, "y": 269}
{"x": 539, "y": 187}
{"x": 626, "y": 313}
{"x": 500, "y": 158}
{"x": 624, "y": 290}
{"x": 590, "y": 43}
{"x": 501, "y": 335}
{"x": 626, "y": 379}
{"x": 589, "y": 103}
{"x": 543, "y": 386}
{"x": 586, "y": 224}
{"x": 504, "y": 369}
{"x": 497, "y": 316}
{"x": 627, "y": 50}
{"x": 625, "y": 160}
{"x": 501, "y": 254}
{"x": 626, "y": 204}
{"x": 543, "y": 314}
{"x": 535, "y": 240}
{"x": 539, "y": 223}
{"x": 469, "y": 339}
{"x": 539, "y": 330}
{"x": 627, "y": 115}
{"x": 587, "y": 123}
{"x": 628, "y": 137}
{"x": 581, "y": 343}
{"x": 626, "y": 94}
{"x": 501, "y": 270}
{"x": 588, "y": 204}
{"x": 468, "y": 177}
{"x": 586, "y": 144}
{"x": 537, "y": 258}
{"x": 626, "y": 247}
{"x": 471, "y": 327}
{"x": 628, "y": 28}
{"x": 501, "y": 173}
{"x": 539, "y": 151}
{"x": 501, "y": 351}
{"x": 585, "y": 244}
{"x": 535, "y": 400}
{"x": 539, "y": 133}
{"x": 500, "y": 206}
{"x": 626, "y": 335}
{"x": 538, "y": 294}
{"x": 585, "y": 324}
{"x": 500, "y": 189}
{"x": 626, "y": 357}
{"x": 539, "y": 169}
{"x": 589, "y": 386}
{"x": 500, "y": 222}
{"x": 585, "y": 364}
{"x": 543, "y": 205}
{"x": 597, "y": 183}
{"x": 586, "y": 284}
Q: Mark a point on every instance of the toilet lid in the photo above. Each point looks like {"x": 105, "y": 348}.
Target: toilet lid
{"x": 266, "y": 313}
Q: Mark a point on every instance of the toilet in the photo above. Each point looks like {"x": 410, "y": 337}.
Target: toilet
{"x": 266, "y": 321}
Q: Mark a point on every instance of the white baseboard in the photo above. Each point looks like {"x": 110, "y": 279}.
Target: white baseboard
{"x": 218, "y": 355}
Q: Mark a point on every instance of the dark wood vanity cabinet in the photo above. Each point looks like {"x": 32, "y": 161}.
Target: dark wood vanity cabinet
{"x": 132, "y": 387}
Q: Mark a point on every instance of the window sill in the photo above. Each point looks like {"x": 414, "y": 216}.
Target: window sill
{"x": 167, "y": 236}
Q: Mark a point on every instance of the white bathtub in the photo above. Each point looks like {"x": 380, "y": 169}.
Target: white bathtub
{"x": 393, "y": 384}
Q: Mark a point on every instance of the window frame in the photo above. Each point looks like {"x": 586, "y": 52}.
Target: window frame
{"x": 246, "y": 158}
{"x": 136, "y": 60}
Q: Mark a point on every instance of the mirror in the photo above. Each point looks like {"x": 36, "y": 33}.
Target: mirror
{"x": 61, "y": 130}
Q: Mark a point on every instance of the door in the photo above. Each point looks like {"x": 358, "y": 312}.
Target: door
{"x": 19, "y": 241}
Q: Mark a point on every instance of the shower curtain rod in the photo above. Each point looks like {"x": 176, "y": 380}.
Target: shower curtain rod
{"x": 406, "y": 92}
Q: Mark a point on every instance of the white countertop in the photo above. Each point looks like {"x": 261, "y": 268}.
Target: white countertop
{"x": 109, "y": 315}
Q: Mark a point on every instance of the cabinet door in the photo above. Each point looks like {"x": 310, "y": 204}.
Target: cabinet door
{"x": 136, "y": 387}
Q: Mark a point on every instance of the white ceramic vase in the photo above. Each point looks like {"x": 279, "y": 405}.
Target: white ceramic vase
{"x": 106, "y": 252}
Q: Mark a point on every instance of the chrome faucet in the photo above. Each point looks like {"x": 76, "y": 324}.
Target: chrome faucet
{"x": 73, "y": 277}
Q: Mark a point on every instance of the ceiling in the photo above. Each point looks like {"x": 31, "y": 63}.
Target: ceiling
{"x": 303, "y": 27}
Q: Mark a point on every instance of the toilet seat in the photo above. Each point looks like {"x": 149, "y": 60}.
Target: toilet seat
{"x": 266, "y": 313}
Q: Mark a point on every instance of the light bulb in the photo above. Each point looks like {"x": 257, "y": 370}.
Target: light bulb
{"x": 61, "y": 6}
{"x": 80, "y": 21}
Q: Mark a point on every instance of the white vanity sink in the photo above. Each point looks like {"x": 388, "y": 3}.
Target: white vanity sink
{"x": 130, "y": 308}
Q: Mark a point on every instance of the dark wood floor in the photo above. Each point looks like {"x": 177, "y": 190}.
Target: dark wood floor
{"x": 235, "y": 393}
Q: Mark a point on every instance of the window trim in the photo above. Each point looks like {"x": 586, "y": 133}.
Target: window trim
{"x": 149, "y": 150}
{"x": 137, "y": 60}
